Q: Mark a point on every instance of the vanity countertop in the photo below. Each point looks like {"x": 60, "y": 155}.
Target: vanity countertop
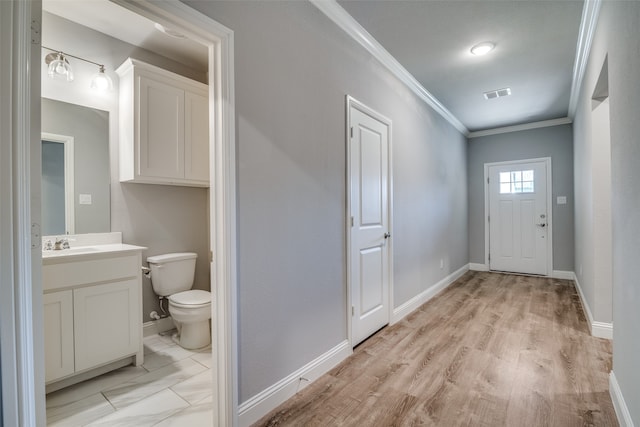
{"x": 88, "y": 246}
{"x": 92, "y": 251}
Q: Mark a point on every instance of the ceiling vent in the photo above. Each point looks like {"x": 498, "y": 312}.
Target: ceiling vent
{"x": 499, "y": 93}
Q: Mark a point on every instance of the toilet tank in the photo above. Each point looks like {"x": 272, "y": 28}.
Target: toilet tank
{"x": 172, "y": 273}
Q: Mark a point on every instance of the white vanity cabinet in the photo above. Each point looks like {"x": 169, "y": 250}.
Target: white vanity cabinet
{"x": 92, "y": 311}
{"x": 164, "y": 130}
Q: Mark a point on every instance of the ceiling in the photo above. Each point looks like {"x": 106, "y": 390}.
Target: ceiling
{"x": 534, "y": 54}
{"x": 122, "y": 24}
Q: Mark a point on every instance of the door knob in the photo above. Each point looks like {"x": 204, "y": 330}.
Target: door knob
{"x": 387, "y": 235}
{"x": 541, "y": 225}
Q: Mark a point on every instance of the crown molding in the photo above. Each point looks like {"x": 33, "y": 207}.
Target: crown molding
{"x": 517, "y": 128}
{"x": 588, "y": 24}
{"x": 348, "y": 24}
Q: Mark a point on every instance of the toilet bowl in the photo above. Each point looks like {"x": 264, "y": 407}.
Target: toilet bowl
{"x": 172, "y": 277}
{"x": 191, "y": 311}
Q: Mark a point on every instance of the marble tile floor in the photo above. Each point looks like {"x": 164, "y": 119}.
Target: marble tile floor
{"x": 172, "y": 388}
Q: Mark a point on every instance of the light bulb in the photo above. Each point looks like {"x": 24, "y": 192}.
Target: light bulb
{"x": 59, "y": 67}
{"x": 101, "y": 82}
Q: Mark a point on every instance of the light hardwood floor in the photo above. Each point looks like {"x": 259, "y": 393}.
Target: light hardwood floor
{"x": 490, "y": 350}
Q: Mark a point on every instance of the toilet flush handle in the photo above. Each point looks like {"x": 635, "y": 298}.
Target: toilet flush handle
{"x": 146, "y": 271}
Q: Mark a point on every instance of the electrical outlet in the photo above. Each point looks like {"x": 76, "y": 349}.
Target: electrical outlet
{"x": 84, "y": 199}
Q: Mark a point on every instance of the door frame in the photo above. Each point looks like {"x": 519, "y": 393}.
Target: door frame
{"x": 69, "y": 177}
{"x": 352, "y": 102}
{"x": 222, "y": 190}
{"x": 547, "y": 162}
{"x": 21, "y": 325}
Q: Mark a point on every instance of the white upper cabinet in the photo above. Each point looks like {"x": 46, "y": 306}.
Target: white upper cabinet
{"x": 196, "y": 154}
{"x": 164, "y": 130}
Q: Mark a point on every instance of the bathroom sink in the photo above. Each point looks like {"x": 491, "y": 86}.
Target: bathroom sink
{"x": 70, "y": 251}
{"x": 80, "y": 250}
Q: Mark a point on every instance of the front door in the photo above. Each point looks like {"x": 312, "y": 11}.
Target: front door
{"x": 369, "y": 222}
{"x": 518, "y": 217}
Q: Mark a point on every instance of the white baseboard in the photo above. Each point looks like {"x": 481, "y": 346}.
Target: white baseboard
{"x": 602, "y": 330}
{"x": 262, "y": 403}
{"x": 597, "y": 329}
{"x": 157, "y": 326}
{"x": 556, "y": 274}
{"x": 564, "y": 275}
{"x": 478, "y": 267}
{"x": 415, "y": 302}
{"x": 622, "y": 411}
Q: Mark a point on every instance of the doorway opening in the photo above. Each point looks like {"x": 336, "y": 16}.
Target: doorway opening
{"x": 599, "y": 272}
{"x": 28, "y": 379}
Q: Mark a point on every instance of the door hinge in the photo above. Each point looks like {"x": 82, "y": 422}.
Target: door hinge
{"x": 36, "y": 32}
{"x": 352, "y": 221}
{"x": 488, "y": 218}
{"x": 489, "y": 257}
{"x": 353, "y": 310}
{"x": 487, "y": 180}
{"x": 210, "y": 256}
{"x": 351, "y": 131}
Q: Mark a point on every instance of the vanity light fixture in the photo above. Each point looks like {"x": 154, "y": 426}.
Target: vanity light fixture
{"x": 482, "y": 48}
{"x": 59, "y": 67}
{"x": 101, "y": 82}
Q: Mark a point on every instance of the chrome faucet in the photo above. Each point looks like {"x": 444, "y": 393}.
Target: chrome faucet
{"x": 61, "y": 243}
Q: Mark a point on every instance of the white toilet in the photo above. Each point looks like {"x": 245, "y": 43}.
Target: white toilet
{"x": 172, "y": 277}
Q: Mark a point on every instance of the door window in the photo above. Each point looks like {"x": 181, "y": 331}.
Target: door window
{"x": 520, "y": 181}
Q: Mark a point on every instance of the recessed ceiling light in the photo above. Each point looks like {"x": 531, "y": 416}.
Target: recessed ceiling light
{"x": 482, "y": 48}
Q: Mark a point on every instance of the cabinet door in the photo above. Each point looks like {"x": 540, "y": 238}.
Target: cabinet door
{"x": 161, "y": 122}
{"x": 58, "y": 335}
{"x": 196, "y": 137}
{"x": 106, "y": 322}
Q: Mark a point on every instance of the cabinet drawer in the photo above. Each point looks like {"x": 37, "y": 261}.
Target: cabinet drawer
{"x": 64, "y": 275}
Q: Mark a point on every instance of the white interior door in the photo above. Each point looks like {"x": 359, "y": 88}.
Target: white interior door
{"x": 370, "y": 231}
{"x": 518, "y": 218}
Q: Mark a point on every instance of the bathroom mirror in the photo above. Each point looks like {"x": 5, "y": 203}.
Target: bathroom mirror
{"x": 75, "y": 169}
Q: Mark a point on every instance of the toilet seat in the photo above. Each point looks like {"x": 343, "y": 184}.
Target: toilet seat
{"x": 191, "y": 299}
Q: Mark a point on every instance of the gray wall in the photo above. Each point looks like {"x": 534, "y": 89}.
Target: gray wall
{"x": 592, "y": 159}
{"x": 617, "y": 37}
{"x": 293, "y": 68}
{"x": 162, "y": 218}
{"x": 90, "y": 129}
{"x": 555, "y": 142}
